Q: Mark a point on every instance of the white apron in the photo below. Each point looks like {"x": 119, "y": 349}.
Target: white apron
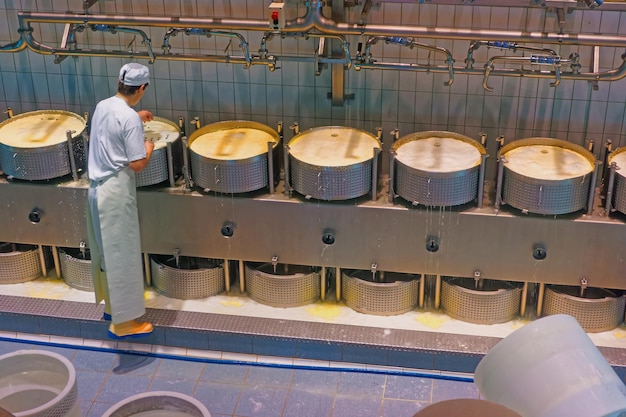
{"x": 113, "y": 228}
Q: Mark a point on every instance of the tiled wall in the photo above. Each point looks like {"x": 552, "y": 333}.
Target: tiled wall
{"x": 410, "y": 101}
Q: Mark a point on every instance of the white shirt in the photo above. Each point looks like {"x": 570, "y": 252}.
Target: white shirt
{"x": 116, "y": 138}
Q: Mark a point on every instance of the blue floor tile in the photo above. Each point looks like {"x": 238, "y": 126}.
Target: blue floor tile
{"x": 261, "y": 402}
{"x": 269, "y": 377}
{"x": 183, "y": 386}
{"x": 450, "y": 390}
{"x": 136, "y": 365}
{"x": 94, "y": 361}
{"x": 349, "y": 407}
{"x": 404, "y": 408}
{"x": 361, "y": 385}
{"x": 178, "y": 369}
{"x": 218, "y": 398}
{"x": 308, "y": 404}
{"x": 315, "y": 381}
{"x": 89, "y": 384}
{"x": 224, "y": 373}
{"x": 408, "y": 388}
{"x": 241, "y": 390}
{"x": 119, "y": 387}
{"x": 97, "y": 409}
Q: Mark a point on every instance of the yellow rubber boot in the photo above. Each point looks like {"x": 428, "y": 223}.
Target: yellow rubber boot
{"x": 129, "y": 329}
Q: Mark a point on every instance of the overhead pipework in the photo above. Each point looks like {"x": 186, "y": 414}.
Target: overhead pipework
{"x": 314, "y": 24}
{"x": 366, "y": 61}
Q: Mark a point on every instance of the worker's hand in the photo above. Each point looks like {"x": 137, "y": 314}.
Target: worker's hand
{"x": 145, "y": 115}
{"x": 149, "y": 146}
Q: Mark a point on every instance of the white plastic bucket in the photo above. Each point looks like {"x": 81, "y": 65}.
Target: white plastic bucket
{"x": 551, "y": 368}
{"x": 158, "y": 404}
{"x": 38, "y": 383}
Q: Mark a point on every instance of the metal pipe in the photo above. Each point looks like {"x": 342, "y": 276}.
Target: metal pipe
{"x": 314, "y": 19}
{"x": 524, "y": 300}
{"x": 513, "y": 46}
{"x": 422, "y": 287}
{"x": 42, "y": 261}
{"x": 338, "y": 284}
{"x": 186, "y": 173}
{"x": 481, "y": 179}
{"x": 147, "y": 269}
{"x": 270, "y": 166}
{"x": 410, "y": 43}
{"x": 554, "y": 61}
{"x": 181, "y": 125}
{"x": 437, "y": 292}
{"x": 242, "y": 277}
{"x": 609, "y": 75}
{"x": 288, "y": 188}
{"x": 113, "y": 29}
{"x": 392, "y": 168}
{"x": 70, "y": 147}
{"x": 375, "y": 174}
{"x": 226, "y": 276}
{"x": 323, "y": 284}
{"x": 57, "y": 264}
{"x": 592, "y": 188}
{"x": 609, "y": 190}
{"x": 542, "y": 287}
{"x": 499, "y": 180}
{"x": 170, "y": 164}
{"x": 16, "y": 46}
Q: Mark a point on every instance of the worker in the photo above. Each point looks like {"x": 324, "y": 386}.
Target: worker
{"x": 118, "y": 150}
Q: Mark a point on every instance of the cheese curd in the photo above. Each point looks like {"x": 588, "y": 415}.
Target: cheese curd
{"x": 333, "y": 147}
{"x": 232, "y": 143}
{"x": 438, "y": 154}
{"x": 547, "y": 162}
{"x": 160, "y": 132}
{"x": 40, "y": 129}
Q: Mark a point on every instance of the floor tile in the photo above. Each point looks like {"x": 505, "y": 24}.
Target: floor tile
{"x": 361, "y": 385}
{"x": 308, "y": 404}
{"x": 408, "y": 388}
{"x": 346, "y": 406}
{"x": 315, "y": 381}
{"x": 184, "y": 386}
{"x": 264, "y": 376}
{"x": 218, "y": 398}
{"x": 89, "y": 384}
{"x": 449, "y": 390}
{"x": 224, "y": 373}
{"x": 136, "y": 365}
{"x": 180, "y": 369}
{"x": 261, "y": 402}
{"x": 94, "y": 360}
{"x": 97, "y": 409}
{"x": 119, "y": 387}
{"x": 404, "y": 408}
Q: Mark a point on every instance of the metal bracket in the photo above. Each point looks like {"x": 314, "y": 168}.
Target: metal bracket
{"x": 88, "y": 3}
{"x": 349, "y": 96}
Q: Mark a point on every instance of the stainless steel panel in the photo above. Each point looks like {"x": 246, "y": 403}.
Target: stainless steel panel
{"x": 398, "y": 238}
{"x": 61, "y": 212}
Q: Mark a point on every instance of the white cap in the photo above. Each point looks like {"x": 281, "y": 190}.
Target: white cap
{"x": 134, "y": 74}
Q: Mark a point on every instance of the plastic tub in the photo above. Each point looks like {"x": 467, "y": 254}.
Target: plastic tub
{"x": 550, "y": 368}
{"x": 38, "y": 383}
{"x": 158, "y": 404}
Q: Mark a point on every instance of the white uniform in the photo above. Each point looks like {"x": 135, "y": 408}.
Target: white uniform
{"x": 116, "y": 139}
